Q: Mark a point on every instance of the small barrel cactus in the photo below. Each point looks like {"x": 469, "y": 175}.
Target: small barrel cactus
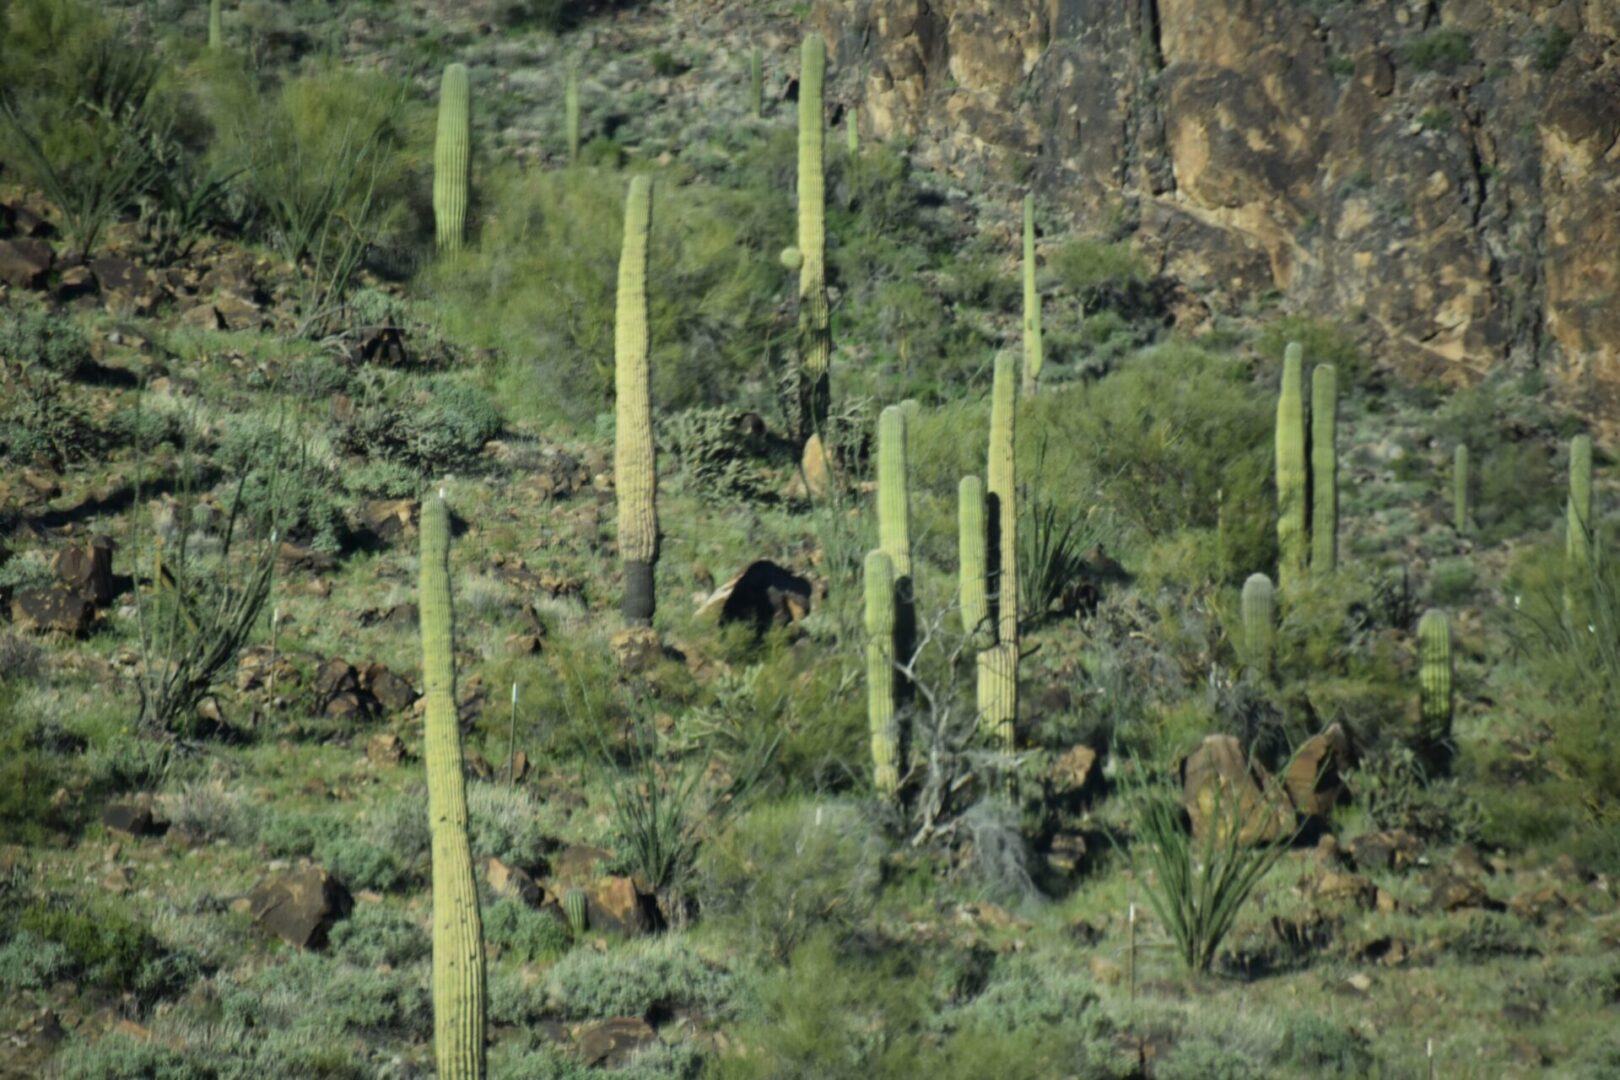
{"x": 1578, "y": 540}
{"x": 571, "y": 114}
{"x": 573, "y": 904}
{"x": 756, "y": 84}
{"x": 216, "y": 26}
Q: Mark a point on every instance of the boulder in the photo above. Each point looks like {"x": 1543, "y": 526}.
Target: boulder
{"x": 24, "y": 262}
{"x": 132, "y": 818}
{"x": 1395, "y": 849}
{"x": 391, "y": 521}
{"x": 512, "y": 883}
{"x": 300, "y": 905}
{"x": 764, "y": 594}
{"x": 1449, "y": 892}
{"x": 611, "y": 1043}
{"x": 390, "y": 691}
{"x": 1221, "y": 786}
{"x": 1313, "y": 777}
{"x": 53, "y": 610}
{"x": 129, "y": 289}
{"x": 578, "y": 864}
{"x": 636, "y": 649}
{"x": 385, "y": 748}
{"x": 615, "y": 903}
{"x": 87, "y": 570}
{"x": 1072, "y": 771}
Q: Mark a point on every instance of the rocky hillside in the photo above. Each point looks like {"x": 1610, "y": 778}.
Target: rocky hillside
{"x": 1448, "y": 174}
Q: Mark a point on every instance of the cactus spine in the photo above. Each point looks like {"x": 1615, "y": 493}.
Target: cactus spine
{"x": 815, "y": 337}
{"x": 1003, "y": 493}
{"x": 756, "y": 84}
{"x": 1578, "y": 540}
{"x": 458, "y": 938}
{"x": 1459, "y": 488}
{"x": 880, "y": 672}
{"x": 1259, "y": 623}
{"x": 1291, "y": 506}
{"x": 1434, "y": 676}
{"x": 216, "y": 26}
{"x": 1324, "y": 469}
{"x": 973, "y": 570}
{"x": 1033, "y": 354}
{"x": 571, "y": 114}
{"x": 634, "y": 474}
{"x": 450, "y": 159}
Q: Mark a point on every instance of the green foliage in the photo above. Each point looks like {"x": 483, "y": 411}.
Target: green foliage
{"x": 305, "y": 493}
{"x": 333, "y": 842}
{"x": 376, "y": 934}
{"x": 389, "y": 423}
{"x": 308, "y": 993}
{"x": 29, "y": 773}
{"x": 635, "y": 979}
{"x": 1395, "y": 791}
{"x": 1550, "y": 47}
{"x": 47, "y": 342}
{"x": 719, "y": 454}
{"x": 104, "y": 947}
{"x": 31, "y": 962}
{"x": 1323, "y": 1048}
{"x": 1087, "y": 267}
{"x": 504, "y": 822}
{"x": 1323, "y": 342}
{"x": 1443, "y": 50}
{"x": 519, "y": 930}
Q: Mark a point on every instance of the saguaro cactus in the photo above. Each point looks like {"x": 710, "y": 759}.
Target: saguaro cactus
{"x": 893, "y": 491}
{"x": 1003, "y": 489}
{"x": 458, "y": 945}
{"x": 1259, "y": 623}
{"x": 1459, "y": 487}
{"x": 1033, "y": 354}
{"x": 852, "y": 132}
{"x": 571, "y": 114}
{"x": 1434, "y": 676}
{"x": 635, "y": 477}
{"x": 1324, "y": 469}
{"x": 815, "y": 336}
{"x": 880, "y": 672}
{"x": 973, "y": 570}
{"x": 1578, "y": 538}
{"x": 216, "y": 26}
{"x": 1292, "y": 539}
{"x": 998, "y": 692}
{"x": 451, "y": 158}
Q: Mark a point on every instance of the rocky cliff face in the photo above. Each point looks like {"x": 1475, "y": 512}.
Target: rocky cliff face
{"x": 1447, "y": 175}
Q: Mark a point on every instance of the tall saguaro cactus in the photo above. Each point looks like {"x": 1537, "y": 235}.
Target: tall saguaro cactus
{"x": 1324, "y": 469}
{"x": 998, "y": 692}
{"x": 1033, "y": 353}
{"x": 1292, "y": 526}
{"x": 1003, "y": 490}
{"x": 1578, "y": 539}
{"x": 1434, "y": 677}
{"x": 880, "y": 672}
{"x": 1459, "y": 488}
{"x": 815, "y": 334}
{"x": 216, "y": 26}
{"x": 451, "y": 159}
{"x": 458, "y": 937}
{"x": 635, "y": 477}
{"x": 571, "y": 114}
{"x": 973, "y": 568}
{"x": 1259, "y": 624}
{"x": 893, "y": 490}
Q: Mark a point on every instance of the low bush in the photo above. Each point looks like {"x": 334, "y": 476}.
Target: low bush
{"x": 642, "y": 978}
{"x": 377, "y": 934}
{"x": 1443, "y": 50}
{"x": 442, "y": 427}
{"x": 520, "y": 931}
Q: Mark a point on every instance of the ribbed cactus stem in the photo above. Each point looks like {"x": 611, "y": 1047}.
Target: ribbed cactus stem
{"x": 1003, "y": 492}
{"x": 1578, "y": 539}
{"x": 573, "y": 903}
{"x": 634, "y": 473}
{"x": 1259, "y": 623}
{"x": 1324, "y": 469}
{"x": 1292, "y": 538}
{"x": 571, "y": 114}
{"x": 458, "y": 945}
{"x": 893, "y": 490}
{"x": 972, "y": 538}
{"x": 756, "y": 84}
{"x": 880, "y": 672}
{"x": 1459, "y": 488}
{"x": 216, "y": 25}
{"x": 852, "y": 132}
{"x": 1033, "y": 352}
{"x": 451, "y": 159}
{"x": 998, "y": 693}
{"x": 815, "y": 338}
{"x": 1434, "y": 676}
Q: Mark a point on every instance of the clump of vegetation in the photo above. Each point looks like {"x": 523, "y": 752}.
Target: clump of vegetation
{"x": 1444, "y": 50}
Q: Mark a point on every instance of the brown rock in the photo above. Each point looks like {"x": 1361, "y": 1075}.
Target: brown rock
{"x": 764, "y": 594}
{"x": 578, "y": 864}
{"x": 1072, "y": 771}
{"x": 291, "y": 558}
{"x": 612, "y": 1043}
{"x": 1219, "y": 787}
{"x": 54, "y": 610}
{"x": 203, "y": 317}
{"x": 119, "y": 880}
{"x": 128, "y": 289}
{"x": 477, "y": 766}
{"x": 1393, "y": 850}
{"x": 815, "y": 465}
{"x": 74, "y": 282}
{"x": 24, "y": 263}
{"x": 300, "y": 905}
{"x": 1313, "y": 776}
{"x": 130, "y": 818}
{"x": 385, "y": 748}
{"x": 614, "y": 903}
{"x": 636, "y": 649}
{"x": 1336, "y": 886}
{"x": 87, "y": 571}
{"x": 391, "y": 521}
{"x": 510, "y": 882}
{"x": 1452, "y": 892}
{"x": 391, "y": 691}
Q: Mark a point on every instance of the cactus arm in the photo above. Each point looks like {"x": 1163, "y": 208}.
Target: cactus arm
{"x": 1578, "y": 539}
{"x": 634, "y": 464}
{"x": 1324, "y": 469}
{"x": 893, "y": 493}
{"x": 756, "y": 84}
{"x": 451, "y": 159}
{"x": 458, "y": 947}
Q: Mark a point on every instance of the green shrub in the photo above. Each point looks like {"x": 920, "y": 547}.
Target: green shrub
{"x": 1323, "y": 1048}
{"x": 124, "y": 1057}
{"x": 309, "y": 993}
{"x": 106, "y": 948}
{"x": 503, "y": 822}
{"x": 521, "y": 931}
{"x": 31, "y": 962}
{"x": 446, "y": 431}
{"x": 1550, "y": 47}
{"x": 29, "y": 774}
{"x": 377, "y": 934}
{"x": 47, "y": 341}
{"x": 1086, "y": 265}
{"x": 718, "y": 454}
{"x": 1454, "y": 582}
{"x": 1324, "y": 342}
{"x": 1442, "y": 50}
{"x": 1202, "y": 1058}
{"x": 1392, "y": 788}
{"x": 636, "y": 979}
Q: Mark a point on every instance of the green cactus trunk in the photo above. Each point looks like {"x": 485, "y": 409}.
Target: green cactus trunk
{"x": 1259, "y": 624}
{"x": 216, "y": 26}
{"x": 1578, "y": 536}
{"x": 880, "y": 672}
{"x": 1003, "y": 498}
{"x": 1033, "y": 352}
{"x": 451, "y": 159}
{"x": 756, "y": 84}
{"x": 815, "y": 334}
{"x": 635, "y": 476}
{"x": 458, "y": 938}
{"x": 1459, "y": 489}
{"x": 973, "y": 568}
{"x": 893, "y": 492}
{"x": 573, "y": 903}
{"x": 852, "y": 133}
{"x": 571, "y": 114}
{"x": 1434, "y": 678}
{"x": 1292, "y": 509}
{"x": 998, "y": 694}
{"x": 1324, "y": 469}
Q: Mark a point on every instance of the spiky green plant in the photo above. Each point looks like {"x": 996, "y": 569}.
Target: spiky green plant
{"x": 451, "y": 159}
{"x": 1292, "y": 510}
{"x": 571, "y": 114}
{"x": 458, "y": 937}
{"x": 1459, "y": 488}
{"x": 815, "y": 336}
{"x": 998, "y": 693}
{"x": 1003, "y": 497}
{"x": 216, "y": 26}
{"x": 1434, "y": 677}
{"x": 635, "y": 476}
{"x": 1259, "y": 623}
{"x": 1578, "y": 536}
{"x": 880, "y": 672}
{"x": 756, "y": 84}
{"x": 1324, "y": 469}
{"x": 1033, "y": 352}
{"x": 573, "y": 904}
{"x": 973, "y": 568}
